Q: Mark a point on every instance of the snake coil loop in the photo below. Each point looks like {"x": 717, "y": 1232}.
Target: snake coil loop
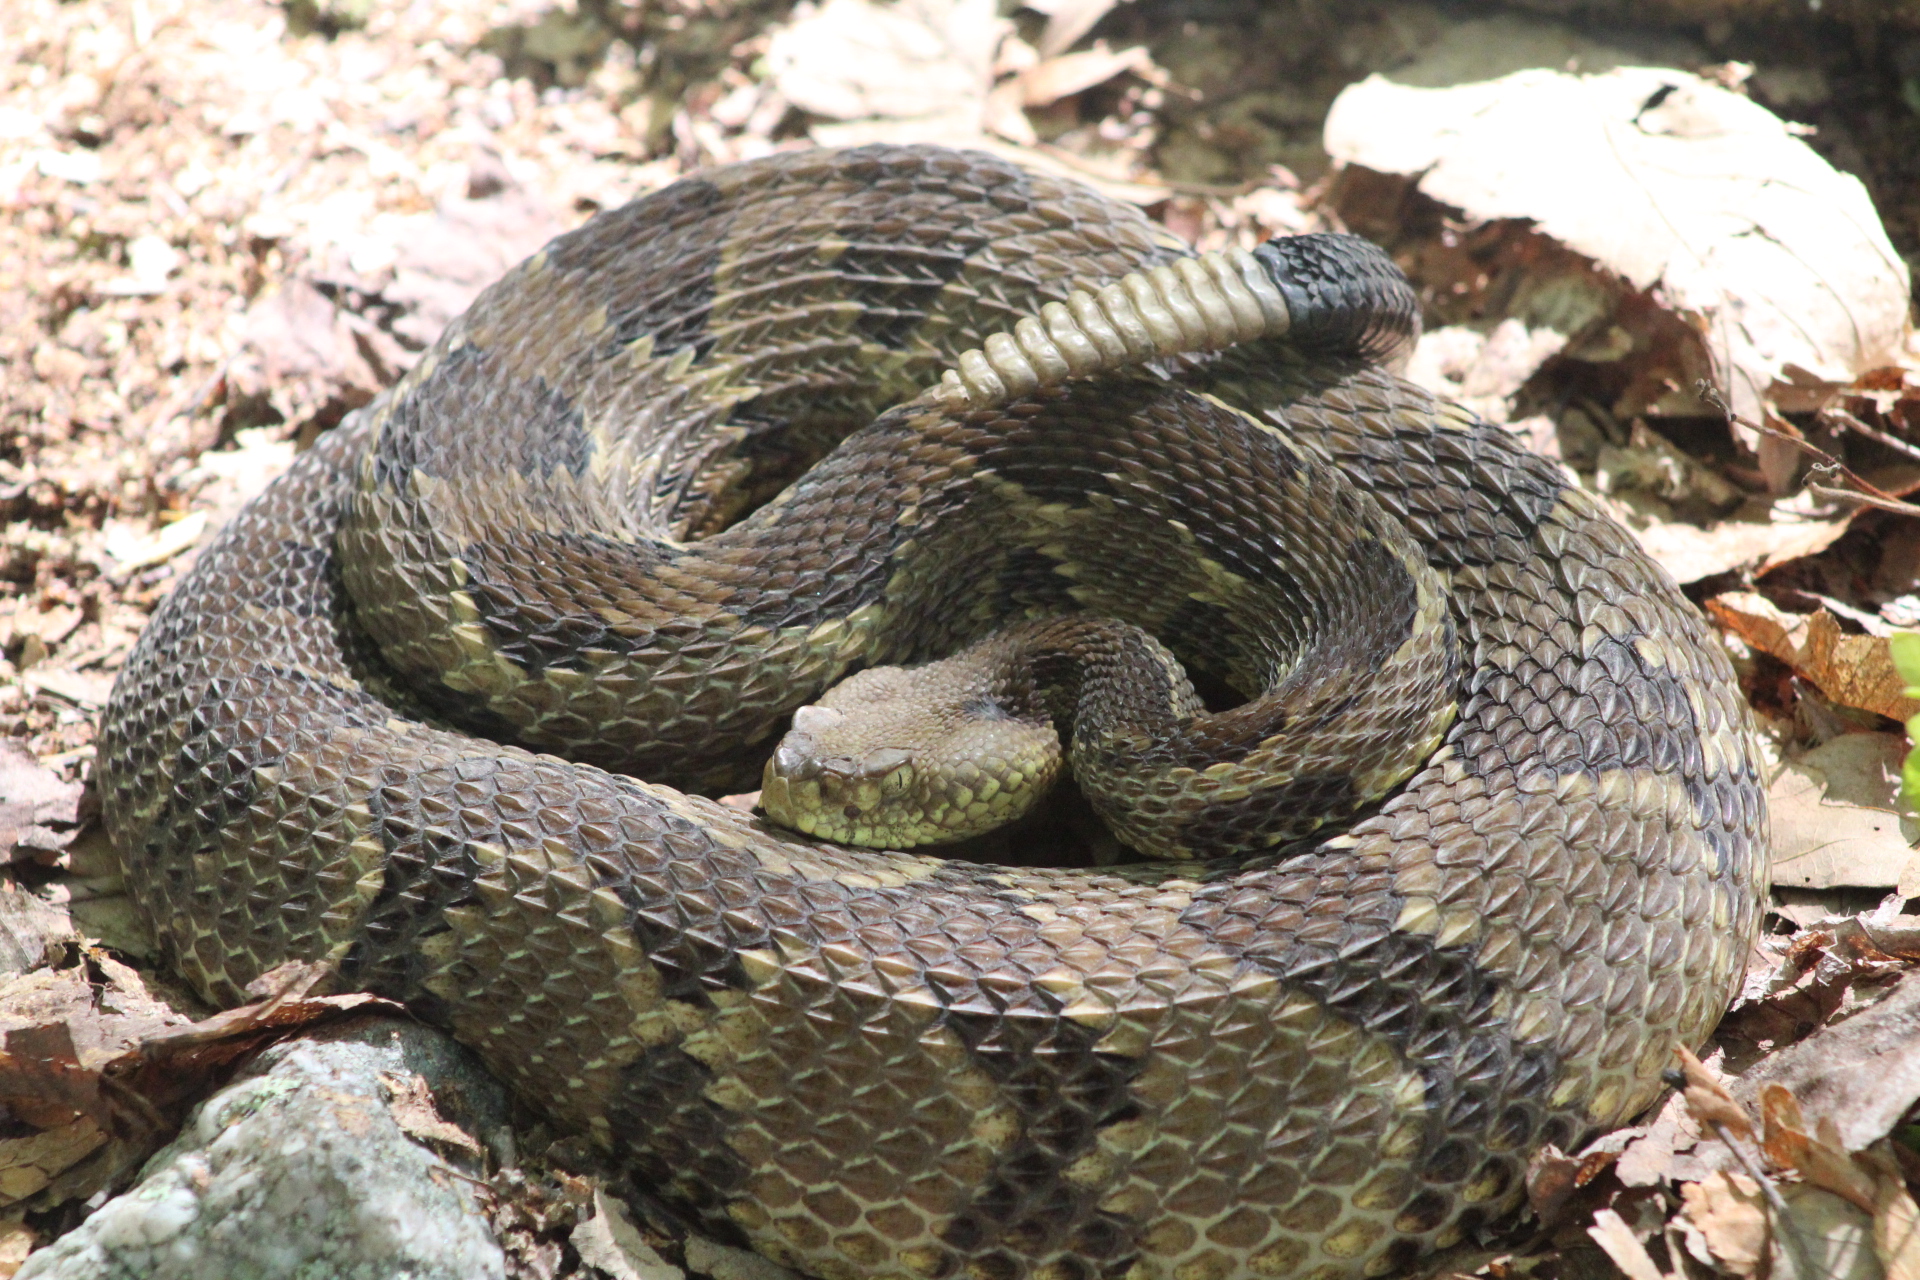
{"x": 443, "y": 709}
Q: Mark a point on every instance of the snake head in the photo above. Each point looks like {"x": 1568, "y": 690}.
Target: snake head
{"x": 896, "y": 757}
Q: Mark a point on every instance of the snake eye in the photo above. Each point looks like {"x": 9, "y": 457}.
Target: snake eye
{"x": 899, "y": 770}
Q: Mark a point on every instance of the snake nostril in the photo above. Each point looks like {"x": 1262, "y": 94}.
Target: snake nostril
{"x": 794, "y": 759}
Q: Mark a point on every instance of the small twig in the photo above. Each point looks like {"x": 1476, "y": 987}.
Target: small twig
{"x": 1862, "y": 492}
{"x": 1602, "y": 417}
{"x": 1789, "y": 1233}
{"x": 1881, "y": 504}
{"x": 1847, "y": 420}
{"x": 1713, "y": 1107}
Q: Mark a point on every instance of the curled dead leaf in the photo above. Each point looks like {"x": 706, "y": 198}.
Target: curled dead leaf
{"x": 1817, "y": 1156}
{"x": 1554, "y": 1178}
{"x": 39, "y": 814}
{"x": 1644, "y": 170}
{"x": 1896, "y": 1218}
{"x": 410, "y": 1100}
{"x": 1611, "y": 1232}
{"x": 1823, "y": 1236}
{"x": 1712, "y": 1106}
{"x": 1855, "y": 671}
{"x": 1731, "y": 1213}
{"x": 1070, "y": 73}
{"x": 1836, "y": 815}
{"x": 96, "y": 1072}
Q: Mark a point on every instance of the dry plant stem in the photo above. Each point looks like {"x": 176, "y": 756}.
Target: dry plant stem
{"x": 1782, "y": 1218}
{"x": 1894, "y": 505}
{"x": 1704, "y": 1097}
{"x": 1864, "y": 493}
{"x": 1841, "y": 418}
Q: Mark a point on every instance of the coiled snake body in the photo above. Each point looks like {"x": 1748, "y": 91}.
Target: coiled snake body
{"x": 1328, "y": 1058}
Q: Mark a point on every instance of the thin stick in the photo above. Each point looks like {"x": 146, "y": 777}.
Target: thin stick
{"x": 1855, "y": 425}
{"x": 1789, "y": 1232}
{"x": 1863, "y": 492}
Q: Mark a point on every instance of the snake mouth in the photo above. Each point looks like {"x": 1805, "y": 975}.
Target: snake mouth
{"x": 850, "y": 799}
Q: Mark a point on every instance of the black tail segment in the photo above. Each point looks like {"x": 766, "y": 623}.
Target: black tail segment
{"x": 1344, "y": 295}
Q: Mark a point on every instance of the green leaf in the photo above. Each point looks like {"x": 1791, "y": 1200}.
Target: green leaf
{"x": 1910, "y": 770}
{"x": 1905, "y": 647}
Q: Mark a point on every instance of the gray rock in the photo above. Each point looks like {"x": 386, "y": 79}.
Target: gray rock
{"x": 724, "y": 1262}
{"x": 303, "y": 1168}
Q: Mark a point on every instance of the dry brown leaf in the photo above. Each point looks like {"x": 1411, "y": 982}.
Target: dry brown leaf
{"x": 1067, "y": 21}
{"x": 99, "y": 1070}
{"x": 1896, "y": 1219}
{"x": 1070, "y": 73}
{"x": 1817, "y": 1156}
{"x": 1691, "y": 553}
{"x": 30, "y": 927}
{"x": 1834, "y": 970}
{"x": 100, "y": 1005}
{"x": 1861, "y": 1075}
{"x": 63, "y": 1027}
{"x": 1687, "y": 189}
{"x": 17, "y": 1240}
{"x": 929, "y": 62}
{"x": 134, "y": 549}
{"x": 42, "y": 1080}
{"x": 1554, "y": 1178}
{"x": 1708, "y": 1099}
{"x": 1731, "y": 1214}
{"x": 87, "y": 690}
{"x": 609, "y": 1241}
{"x": 298, "y": 343}
{"x": 39, "y": 814}
{"x": 1611, "y": 1232}
{"x": 1823, "y": 1237}
{"x": 1482, "y": 370}
{"x": 443, "y": 259}
{"x": 44, "y": 1087}
{"x": 1836, "y": 815}
{"x": 1666, "y": 1149}
{"x": 410, "y": 1101}
{"x": 231, "y": 1033}
{"x": 30, "y": 1163}
{"x": 1856, "y": 671}
{"x": 725, "y": 1262}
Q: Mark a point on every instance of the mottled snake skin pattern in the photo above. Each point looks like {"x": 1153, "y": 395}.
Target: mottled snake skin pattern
{"x": 1331, "y": 1059}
